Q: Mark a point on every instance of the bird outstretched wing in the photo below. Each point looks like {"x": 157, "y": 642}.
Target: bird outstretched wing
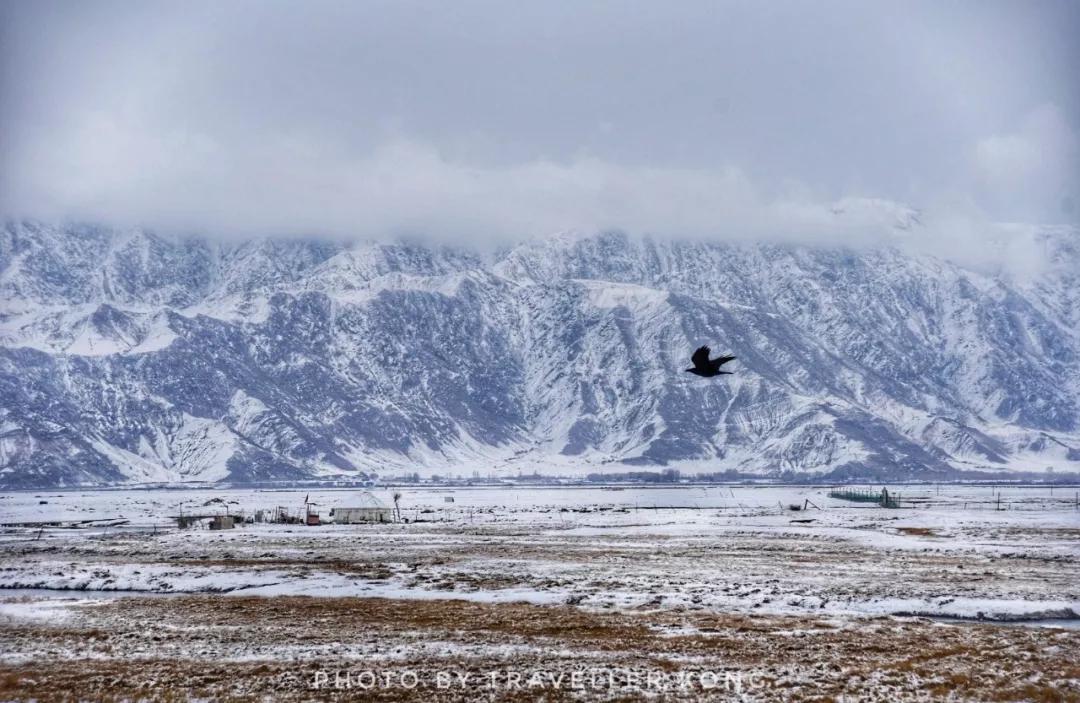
{"x": 700, "y": 357}
{"x": 720, "y": 361}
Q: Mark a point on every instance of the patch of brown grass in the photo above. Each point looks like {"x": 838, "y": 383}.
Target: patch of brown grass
{"x": 916, "y": 531}
{"x": 803, "y": 656}
{"x": 369, "y": 570}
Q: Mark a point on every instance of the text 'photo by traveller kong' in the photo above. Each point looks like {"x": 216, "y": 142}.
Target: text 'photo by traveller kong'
{"x": 539, "y": 351}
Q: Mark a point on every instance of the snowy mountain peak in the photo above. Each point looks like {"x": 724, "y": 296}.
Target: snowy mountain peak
{"x": 126, "y": 356}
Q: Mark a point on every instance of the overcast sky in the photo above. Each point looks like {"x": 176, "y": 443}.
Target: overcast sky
{"x": 520, "y": 118}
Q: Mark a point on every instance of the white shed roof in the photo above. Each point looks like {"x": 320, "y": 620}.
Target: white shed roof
{"x": 365, "y": 500}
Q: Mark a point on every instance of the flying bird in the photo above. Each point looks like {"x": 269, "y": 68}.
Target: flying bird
{"x": 706, "y": 367}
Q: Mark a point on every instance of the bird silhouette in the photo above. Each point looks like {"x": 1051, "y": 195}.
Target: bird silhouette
{"x": 706, "y": 367}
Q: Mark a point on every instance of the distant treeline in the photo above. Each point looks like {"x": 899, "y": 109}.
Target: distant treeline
{"x": 665, "y": 476}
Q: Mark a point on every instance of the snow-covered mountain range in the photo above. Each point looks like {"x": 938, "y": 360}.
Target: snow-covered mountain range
{"x": 131, "y": 357}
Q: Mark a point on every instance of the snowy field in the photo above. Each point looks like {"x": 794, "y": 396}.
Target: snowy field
{"x": 835, "y": 599}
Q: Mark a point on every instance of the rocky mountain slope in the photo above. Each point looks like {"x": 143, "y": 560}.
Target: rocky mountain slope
{"x": 131, "y": 357}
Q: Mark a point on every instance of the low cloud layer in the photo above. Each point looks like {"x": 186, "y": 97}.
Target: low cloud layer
{"x": 192, "y": 182}
{"x": 481, "y": 123}
{"x": 1034, "y": 169}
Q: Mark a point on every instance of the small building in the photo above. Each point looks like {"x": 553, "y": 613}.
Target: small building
{"x": 365, "y": 508}
{"x": 222, "y": 522}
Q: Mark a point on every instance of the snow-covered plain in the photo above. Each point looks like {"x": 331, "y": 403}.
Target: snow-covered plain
{"x": 986, "y": 553}
{"x": 712, "y": 546}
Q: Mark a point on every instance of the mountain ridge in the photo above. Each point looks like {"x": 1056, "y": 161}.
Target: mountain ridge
{"x": 126, "y": 356}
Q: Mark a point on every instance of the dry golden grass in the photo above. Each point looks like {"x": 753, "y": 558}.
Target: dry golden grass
{"x": 114, "y": 651}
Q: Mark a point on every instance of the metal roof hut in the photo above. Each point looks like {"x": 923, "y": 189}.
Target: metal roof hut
{"x": 365, "y": 508}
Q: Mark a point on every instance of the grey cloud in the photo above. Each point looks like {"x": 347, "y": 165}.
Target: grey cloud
{"x": 1032, "y": 169}
{"x": 493, "y": 120}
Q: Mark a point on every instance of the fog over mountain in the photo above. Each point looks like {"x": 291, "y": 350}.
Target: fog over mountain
{"x": 132, "y": 357}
